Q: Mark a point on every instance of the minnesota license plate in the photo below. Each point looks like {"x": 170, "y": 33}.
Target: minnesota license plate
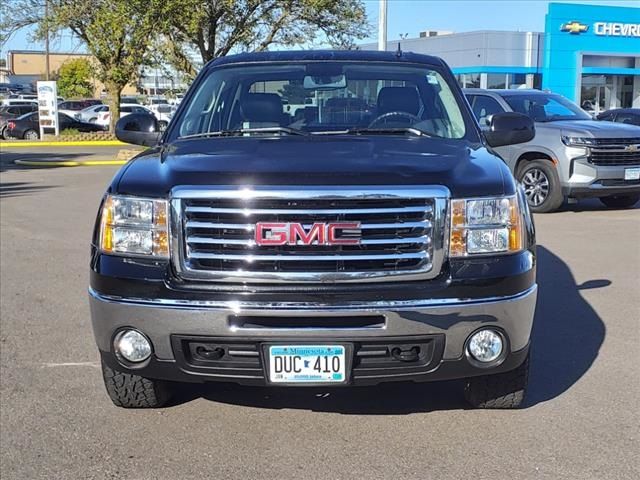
{"x": 632, "y": 173}
{"x": 307, "y": 364}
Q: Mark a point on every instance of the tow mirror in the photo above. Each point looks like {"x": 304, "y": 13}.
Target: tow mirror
{"x": 138, "y": 129}
{"x": 509, "y": 128}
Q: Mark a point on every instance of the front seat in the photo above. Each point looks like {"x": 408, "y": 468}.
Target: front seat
{"x": 261, "y": 110}
{"x": 398, "y": 99}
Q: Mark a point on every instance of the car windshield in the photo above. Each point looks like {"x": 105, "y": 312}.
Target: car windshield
{"x": 363, "y": 98}
{"x": 546, "y": 108}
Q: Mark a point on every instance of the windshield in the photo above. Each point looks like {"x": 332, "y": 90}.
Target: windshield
{"x": 546, "y": 108}
{"x": 323, "y": 98}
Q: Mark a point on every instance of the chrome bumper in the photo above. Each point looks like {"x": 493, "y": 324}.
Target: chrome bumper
{"x": 456, "y": 318}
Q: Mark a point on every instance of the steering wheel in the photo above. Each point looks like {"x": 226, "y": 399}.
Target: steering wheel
{"x": 385, "y": 116}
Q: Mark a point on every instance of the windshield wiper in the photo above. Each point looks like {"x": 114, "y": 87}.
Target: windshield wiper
{"x": 386, "y": 131}
{"x": 242, "y": 131}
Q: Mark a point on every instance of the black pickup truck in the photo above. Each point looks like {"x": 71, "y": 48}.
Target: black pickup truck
{"x": 318, "y": 218}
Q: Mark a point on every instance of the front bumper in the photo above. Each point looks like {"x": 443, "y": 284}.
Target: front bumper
{"x": 440, "y": 326}
{"x": 588, "y": 180}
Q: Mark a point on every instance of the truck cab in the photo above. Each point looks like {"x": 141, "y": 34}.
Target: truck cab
{"x": 370, "y": 236}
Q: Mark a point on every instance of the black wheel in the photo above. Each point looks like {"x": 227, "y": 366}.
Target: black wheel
{"x": 31, "y": 135}
{"x": 501, "y": 390}
{"x": 133, "y": 391}
{"x": 620, "y": 201}
{"x": 541, "y": 185}
{"x": 93, "y": 120}
{"x": 3, "y": 133}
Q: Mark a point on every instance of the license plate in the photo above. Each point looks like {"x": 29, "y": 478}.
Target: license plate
{"x": 307, "y": 364}
{"x": 632, "y": 173}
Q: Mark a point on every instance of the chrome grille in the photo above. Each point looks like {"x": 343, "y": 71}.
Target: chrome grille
{"x": 615, "y": 152}
{"x": 401, "y": 232}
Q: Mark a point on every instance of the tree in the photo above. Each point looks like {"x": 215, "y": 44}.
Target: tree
{"x": 74, "y": 78}
{"x": 18, "y": 14}
{"x": 215, "y": 28}
{"x": 117, "y": 33}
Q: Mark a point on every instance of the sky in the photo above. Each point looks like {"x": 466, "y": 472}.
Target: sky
{"x": 411, "y": 17}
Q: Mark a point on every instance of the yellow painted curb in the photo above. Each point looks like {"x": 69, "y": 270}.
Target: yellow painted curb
{"x": 92, "y": 143}
{"x": 69, "y": 163}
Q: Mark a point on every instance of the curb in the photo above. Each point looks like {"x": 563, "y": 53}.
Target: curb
{"x": 90, "y": 143}
{"x": 69, "y": 163}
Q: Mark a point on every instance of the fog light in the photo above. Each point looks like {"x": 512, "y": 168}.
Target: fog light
{"x": 133, "y": 346}
{"x": 485, "y": 346}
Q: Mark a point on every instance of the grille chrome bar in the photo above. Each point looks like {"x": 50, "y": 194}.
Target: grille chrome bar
{"x": 308, "y": 258}
{"x": 296, "y": 211}
{"x": 250, "y": 242}
{"x": 402, "y": 233}
{"x": 250, "y": 226}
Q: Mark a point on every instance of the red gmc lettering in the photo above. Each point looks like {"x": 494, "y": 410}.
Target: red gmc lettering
{"x": 333, "y": 238}
{"x": 277, "y": 233}
{"x": 295, "y": 234}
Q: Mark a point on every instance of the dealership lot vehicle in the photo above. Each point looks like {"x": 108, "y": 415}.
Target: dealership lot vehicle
{"x": 359, "y": 236}
{"x": 572, "y": 155}
{"x": 104, "y": 116}
{"x": 27, "y": 126}
{"x": 621, "y": 115}
{"x": 73, "y": 107}
{"x": 13, "y": 111}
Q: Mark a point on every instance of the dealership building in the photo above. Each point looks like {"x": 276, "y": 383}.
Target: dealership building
{"x": 588, "y": 53}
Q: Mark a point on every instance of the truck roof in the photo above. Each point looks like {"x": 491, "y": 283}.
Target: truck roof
{"x": 508, "y": 91}
{"x": 327, "y": 55}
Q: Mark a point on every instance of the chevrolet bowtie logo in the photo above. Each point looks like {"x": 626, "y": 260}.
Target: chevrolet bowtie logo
{"x": 574, "y": 27}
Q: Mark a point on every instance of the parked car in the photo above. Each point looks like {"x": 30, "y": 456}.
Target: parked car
{"x": 571, "y": 156}
{"x": 621, "y": 115}
{"x": 90, "y": 114}
{"x": 27, "y": 126}
{"x": 104, "y": 117}
{"x": 18, "y": 101}
{"x": 71, "y": 107}
{"x": 13, "y": 111}
{"x": 317, "y": 251}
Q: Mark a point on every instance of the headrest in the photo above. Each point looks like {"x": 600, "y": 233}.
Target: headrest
{"x": 398, "y": 99}
{"x": 261, "y": 107}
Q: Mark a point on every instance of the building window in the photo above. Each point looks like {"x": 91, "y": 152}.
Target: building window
{"x": 497, "y": 80}
{"x": 516, "y": 80}
{"x": 471, "y": 80}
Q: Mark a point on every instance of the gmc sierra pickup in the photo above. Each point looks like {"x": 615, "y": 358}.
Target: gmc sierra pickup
{"x": 371, "y": 235}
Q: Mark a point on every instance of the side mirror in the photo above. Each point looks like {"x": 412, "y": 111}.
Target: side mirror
{"x": 138, "y": 129}
{"x": 509, "y": 128}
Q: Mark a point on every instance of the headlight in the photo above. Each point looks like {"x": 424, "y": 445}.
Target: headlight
{"x": 578, "y": 141}
{"x": 134, "y": 226}
{"x": 485, "y": 226}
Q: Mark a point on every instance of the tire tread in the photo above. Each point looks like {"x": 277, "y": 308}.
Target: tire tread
{"x": 499, "y": 391}
{"x": 133, "y": 391}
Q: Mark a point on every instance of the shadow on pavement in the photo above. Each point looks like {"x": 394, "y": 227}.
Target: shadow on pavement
{"x": 590, "y": 205}
{"x": 7, "y": 159}
{"x": 567, "y": 337}
{"x": 18, "y": 189}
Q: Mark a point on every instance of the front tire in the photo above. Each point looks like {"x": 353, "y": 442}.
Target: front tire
{"x": 541, "y": 185}
{"x": 501, "y": 390}
{"x": 620, "y": 201}
{"x": 133, "y": 391}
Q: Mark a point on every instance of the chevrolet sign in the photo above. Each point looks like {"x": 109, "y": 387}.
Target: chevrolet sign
{"x": 574, "y": 27}
{"x": 617, "y": 29}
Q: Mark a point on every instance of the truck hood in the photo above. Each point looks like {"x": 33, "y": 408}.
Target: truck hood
{"x": 466, "y": 169}
{"x": 592, "y": 128}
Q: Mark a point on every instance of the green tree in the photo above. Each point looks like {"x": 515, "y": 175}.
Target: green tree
{"x": 118, "y": 33}
{"x": 74, "y": 78}
{"x": 214, "y": 28}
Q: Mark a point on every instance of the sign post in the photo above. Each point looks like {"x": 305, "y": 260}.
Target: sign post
{"x": 48, "y": 107}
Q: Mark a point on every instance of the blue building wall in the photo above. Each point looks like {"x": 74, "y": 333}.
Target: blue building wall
{"x": 563, "y": 50}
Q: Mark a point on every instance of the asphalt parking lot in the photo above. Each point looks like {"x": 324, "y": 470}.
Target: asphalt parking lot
{"x": 581, "y": 419}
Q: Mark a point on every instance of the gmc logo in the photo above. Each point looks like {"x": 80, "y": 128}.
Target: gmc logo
{"x": 295, "y": 234}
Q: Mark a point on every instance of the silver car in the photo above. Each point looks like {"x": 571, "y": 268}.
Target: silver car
{"x": 571, "y": 156}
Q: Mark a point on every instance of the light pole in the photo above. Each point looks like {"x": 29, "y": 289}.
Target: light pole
{"x": 382, "y": 26}
{"x": 46, "y": 41}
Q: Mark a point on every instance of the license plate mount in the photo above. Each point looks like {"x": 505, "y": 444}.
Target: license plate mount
{"x": 307, "y": 364}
